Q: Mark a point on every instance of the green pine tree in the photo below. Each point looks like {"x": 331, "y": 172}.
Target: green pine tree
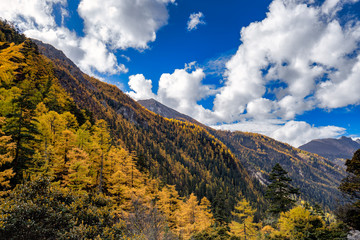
{"x": 350, "y": 186}
{"x": 21, "y": 126}
{"x": 279, "y": 192}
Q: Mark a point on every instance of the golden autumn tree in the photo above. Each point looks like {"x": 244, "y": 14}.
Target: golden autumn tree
{"x": 100, "y": 148}
{"x": 243, "y": 226}
{"x": 122, "y": 179}
{"x": 6, "y": 157}
{"x": 192, "y": 217}
{"x": 299, "y": 223}
{"x": 83, "y": 136}
{"x": 205, "y": 217}
{"x": 65, "y": 143}
{"x": 169, "y": 203}
{"x": 78, "y": 167}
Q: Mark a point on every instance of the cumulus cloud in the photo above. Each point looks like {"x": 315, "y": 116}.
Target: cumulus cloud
{"x": 180, "y": 90}
{"x": 299, "y": 58}
{"x": 298, "y": 133}
{"x": 195, "y": 20}
{"x": 142, "y": 88}
{"x": 109, "y": 25}
{"x": 295, "y": 133}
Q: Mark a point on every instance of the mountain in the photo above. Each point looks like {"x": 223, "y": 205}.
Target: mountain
{"x": 179, "y": 153}
{"x": 336, "y": 150}
{"x": 162, "y": 110}
{"x": 196, "y": 159}
{"x": 317, "y": 177}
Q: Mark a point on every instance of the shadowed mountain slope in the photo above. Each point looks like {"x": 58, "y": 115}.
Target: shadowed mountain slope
{"x": 317, "y": 177}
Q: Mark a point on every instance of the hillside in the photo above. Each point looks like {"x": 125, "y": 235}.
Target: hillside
{"x": 162, "y": 110}
{"x": 317, "y": 177}
{"x": 177, "y": 152}
{"x": 81, "y": 160}
{"x": 336, "y": 150}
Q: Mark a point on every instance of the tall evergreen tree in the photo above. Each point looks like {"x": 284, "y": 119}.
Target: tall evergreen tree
{"x": 21, "y": 126}
{"x": 279, "y": 191}
{"x": 350, "y": 186}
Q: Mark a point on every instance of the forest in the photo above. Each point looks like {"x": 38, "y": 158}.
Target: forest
{"x": 81, "y": 160}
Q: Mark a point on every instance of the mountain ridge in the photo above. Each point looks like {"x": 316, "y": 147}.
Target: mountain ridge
{"x": 336, "y": 150}
{"x": 180, "y": 153}
{"x": 259, "y": 153}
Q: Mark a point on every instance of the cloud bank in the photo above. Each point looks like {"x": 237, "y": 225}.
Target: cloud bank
{"x": 299, "y": 58}
{"x": 109, "y": 25}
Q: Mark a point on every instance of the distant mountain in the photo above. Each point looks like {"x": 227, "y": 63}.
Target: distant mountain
{"x": 317, "y": 177}
{"x": 336, "y": 150}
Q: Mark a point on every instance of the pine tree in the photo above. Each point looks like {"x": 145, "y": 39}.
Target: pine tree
{"x": 279, "y": 191}
{"x": 350, "y": 186}
{"x": 21, "y": 126}
{"x": 221, "y": 211}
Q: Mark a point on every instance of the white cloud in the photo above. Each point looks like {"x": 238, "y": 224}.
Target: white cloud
{"x": 180, "y": 90}
{"x": 295, "y": 133}
{"x": 109, "y": 25}
{"x": 297, "y": 59}
{"x": 298, "y": 133}
{"x": 123, "y": 24}
{"x": 195, "y": 20}
{"x": 302, "y": 52}
{"x": 142, "y": 88}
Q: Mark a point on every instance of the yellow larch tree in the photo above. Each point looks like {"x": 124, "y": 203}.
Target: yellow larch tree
{"x": 193, "y": 217}
{"x": 78, "y": 165}
{"x": 169, "y": 203}
{"x": 243, "y": 226}
{"x": 100, "y": 149}
{"x": 6, "y": 157}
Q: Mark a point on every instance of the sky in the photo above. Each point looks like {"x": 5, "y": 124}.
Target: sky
{"x": 289, "y": 69}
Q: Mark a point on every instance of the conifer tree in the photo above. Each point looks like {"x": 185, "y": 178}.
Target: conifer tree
{"x": 350, "y": 186}
{"x": 169, "y": 203}
{"x": 205, "y": 216}
{"x": 101, "y": 140}
{"x": 21, "y": 126}
{"x": 221, "y": 211}
{"x": 6, "y": 157}
{"x": 244, "y": 225}
{"x": 78, "y": 170}
{"x": 279, "y": 191}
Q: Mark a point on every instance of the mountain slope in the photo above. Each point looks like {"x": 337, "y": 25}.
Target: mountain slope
{"x": 333, "y": 149}
{"x": 179, "y": 153}
{"x": 162, "y": 110}
{"x": 317, "y": 177}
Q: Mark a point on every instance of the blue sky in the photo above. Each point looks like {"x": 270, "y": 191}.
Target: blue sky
{"x": 289, "y": 69}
